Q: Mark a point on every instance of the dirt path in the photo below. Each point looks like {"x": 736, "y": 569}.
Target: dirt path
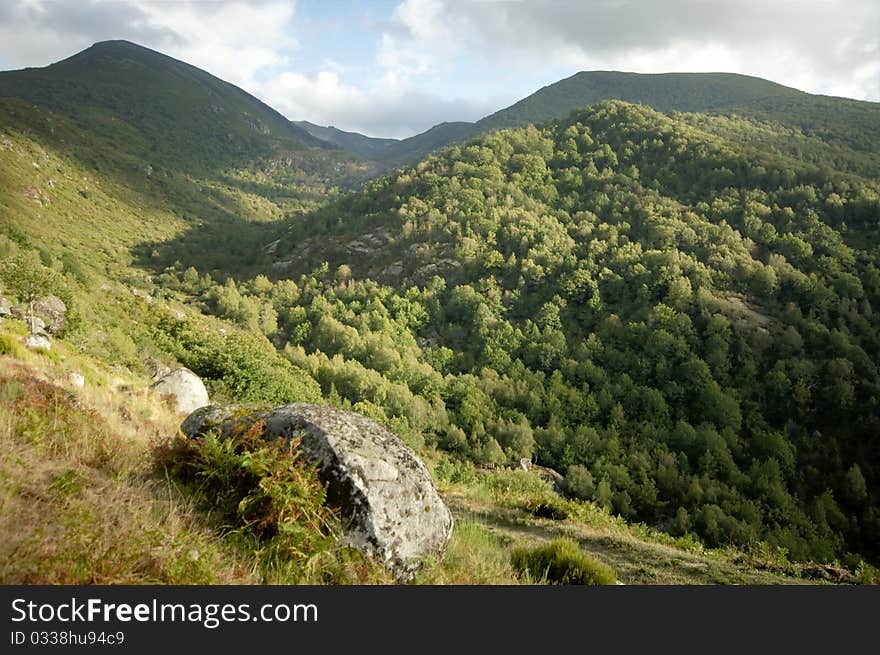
{"x": 636, "y": 561}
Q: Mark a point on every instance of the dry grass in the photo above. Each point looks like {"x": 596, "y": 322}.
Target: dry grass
{"x": 78, "y": 504}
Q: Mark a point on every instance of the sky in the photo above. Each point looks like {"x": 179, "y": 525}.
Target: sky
{"x": 396, "y": 67}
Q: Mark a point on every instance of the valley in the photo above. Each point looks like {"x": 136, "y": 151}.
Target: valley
{"x": 663, "y": 287}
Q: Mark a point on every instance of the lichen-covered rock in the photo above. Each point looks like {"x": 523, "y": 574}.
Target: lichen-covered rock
{"x": 186, "y": 387}
{"x": 5, "y": 307}
{"x": 53, "y": 309}
{"x": 34, "y": 341}
{"x": 392, "y": 509}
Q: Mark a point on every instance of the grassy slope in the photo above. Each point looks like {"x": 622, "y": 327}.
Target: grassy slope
{"x": 166, "y": 109}
{"x": 81, "y": 503}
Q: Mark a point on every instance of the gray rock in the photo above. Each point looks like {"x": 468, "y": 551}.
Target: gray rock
{"x": 393, "y": 270}
{"x": 54, "y": 310}
{"x": 34, "y": 341}
{"x": 186, "y": 387}
{"x": 5, "y": 307}
{"x": 77, "y": 380}
{"x": 385, "y": 494}
{"x": 157, "y": 368}
{"x": 36, "y": 325}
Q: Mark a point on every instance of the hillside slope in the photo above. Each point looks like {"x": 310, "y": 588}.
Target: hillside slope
{"x": 353, "y": 142}
{"x": 161, "y": 108}
{"x": 837, "y": 121}
{"x": 680, "y": 321}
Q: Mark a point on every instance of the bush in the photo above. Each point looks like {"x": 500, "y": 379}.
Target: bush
{"x": 579, "y": 482}
{"x": 9, "y": 346}
{"x": 246, "y": 365}
{"x": 562, "y": 562}
{"x": 263, "y": 489}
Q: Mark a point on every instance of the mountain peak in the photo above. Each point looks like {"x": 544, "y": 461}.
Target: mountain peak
{"x": 171, "y": 103}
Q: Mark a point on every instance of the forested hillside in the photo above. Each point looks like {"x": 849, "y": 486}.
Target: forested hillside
{"x": 675, "y": 312}
{"x": 836, "y": 122}
{"x": 170, "y": 113}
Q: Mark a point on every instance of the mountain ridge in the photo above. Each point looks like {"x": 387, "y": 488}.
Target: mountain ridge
{"x": 164, "y": 102}
{"x": 720, "y": 92}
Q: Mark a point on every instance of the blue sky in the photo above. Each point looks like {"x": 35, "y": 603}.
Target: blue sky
{"x": 397, "y": 67}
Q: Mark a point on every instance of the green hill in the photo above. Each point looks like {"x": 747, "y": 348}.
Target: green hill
{"x": 838, "y": 121}
{"x": 675, "y": 313}
{"x": 672, "y": 311}
{"x": 162, "y": 109}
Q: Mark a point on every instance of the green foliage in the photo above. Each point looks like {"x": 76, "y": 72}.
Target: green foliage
{"x": 676, "y": 311}
{"x": 562, "y": 562}
{"x": 244, "y": 365}
{"x": 265, "y": 489}
{"x": 666, "y": 308}
{"x": 9, "y": 345}
{"x": 27, "y": 277}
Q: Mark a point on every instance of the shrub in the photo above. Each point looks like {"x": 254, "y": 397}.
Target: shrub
{"x": 579, "y": 482}
{"x": 9, "y": 346}
{"x": 562, "y": 562}
{"x": 259, "y": 488}
{"x": 245, "y": 364}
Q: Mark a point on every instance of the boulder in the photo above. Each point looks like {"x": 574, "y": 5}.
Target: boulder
{"x": 34, "y": 341}
{"x": 384, "y": 493}
{"x": 54, "y": 310}
{"x": 77, "y": 380}
{"x": 5, "y": 307}
{"x": 185, "y": 387}
{"x": 38, "y": 326}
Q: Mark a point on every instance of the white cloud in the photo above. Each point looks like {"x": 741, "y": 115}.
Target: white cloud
{"x": 232, "y": 40}
{"x": 389, "y": 107}
{"x": 815, "y": 45}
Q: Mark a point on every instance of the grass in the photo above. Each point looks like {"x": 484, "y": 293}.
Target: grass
{"x": 75, "y": 504}
{"x": 82, "y": 502}
{"x": 562, "y": 562}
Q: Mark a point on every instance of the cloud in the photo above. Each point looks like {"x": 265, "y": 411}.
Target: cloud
{"x": 39, "y": 32}
{"x": 390, "y": 107}
{"x": 233, "y": 39}
{"x": 816, "y": 45}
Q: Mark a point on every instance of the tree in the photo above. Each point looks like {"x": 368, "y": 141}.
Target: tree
{"x": 27, "y": 278}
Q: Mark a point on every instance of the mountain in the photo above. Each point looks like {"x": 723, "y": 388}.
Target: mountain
{"x": 839, "y": 121}
{"x": 365, "y": 146}
{"x": 672, "y": 316}
{"x": 157, "y": 106}
{"x": 675, "y": 312}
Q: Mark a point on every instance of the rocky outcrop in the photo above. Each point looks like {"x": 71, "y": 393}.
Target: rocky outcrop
{"x": 35, "y": 341}
{"x": 53, "y": 309}
{"x": 383, "y": 491}
{"x": 186, "y": 388}
{"x": 5, "y": 307}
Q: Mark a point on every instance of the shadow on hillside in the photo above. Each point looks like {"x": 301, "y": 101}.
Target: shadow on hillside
{"x": 220, "y": 221}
